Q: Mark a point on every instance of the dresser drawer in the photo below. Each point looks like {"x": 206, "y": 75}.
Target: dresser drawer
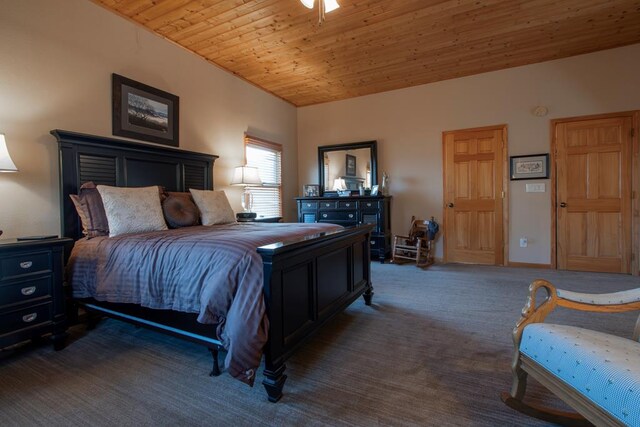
{"x": 13, "y": 267}
{"x": 308, "y": 206}
{"x": 25, "y": 318}
{"x": 348, "y": 205}
{"x": 369, "y": 205}
{"x": 328, "y": 205}
{"x": 25, "y": 291}
{"x": 339, "y": 215}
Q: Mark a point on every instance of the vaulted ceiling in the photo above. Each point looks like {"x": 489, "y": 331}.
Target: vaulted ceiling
{"x": 371, "y": 46}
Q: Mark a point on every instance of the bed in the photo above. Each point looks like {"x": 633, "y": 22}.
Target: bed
{"x": 307, "y": 279}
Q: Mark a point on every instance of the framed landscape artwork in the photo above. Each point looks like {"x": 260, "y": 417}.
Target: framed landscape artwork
{"x": 535, "y": 166}
{"x": 144, "y": 112}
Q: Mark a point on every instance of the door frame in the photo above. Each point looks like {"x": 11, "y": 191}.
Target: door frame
{"x": 635, "y": 184}
{"x": 505, "y": 188}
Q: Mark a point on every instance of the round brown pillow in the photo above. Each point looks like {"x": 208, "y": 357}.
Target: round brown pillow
{"x": 180, "y": 211}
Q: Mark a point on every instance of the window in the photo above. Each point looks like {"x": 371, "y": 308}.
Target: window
{"x": 267, "y": 157}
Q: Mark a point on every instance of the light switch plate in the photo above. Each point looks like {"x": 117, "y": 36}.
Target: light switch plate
{"x": 536, "y": 188}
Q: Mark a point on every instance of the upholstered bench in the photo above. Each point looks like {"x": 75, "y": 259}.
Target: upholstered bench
{"x": 596, "y": 373}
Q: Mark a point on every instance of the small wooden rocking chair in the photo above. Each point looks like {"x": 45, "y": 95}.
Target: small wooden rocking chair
{"x": 416, "y": 247}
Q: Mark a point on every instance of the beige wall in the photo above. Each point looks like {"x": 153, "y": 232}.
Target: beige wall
{"x": 408, "y": 125}
{"x": 55, "y": 72}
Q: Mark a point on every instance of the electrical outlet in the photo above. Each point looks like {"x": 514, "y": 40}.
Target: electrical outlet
{"x": 524, "y": 242}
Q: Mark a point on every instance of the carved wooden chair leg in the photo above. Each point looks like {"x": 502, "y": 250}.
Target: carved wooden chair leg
{"x": 215, "y": 371}
{"x": 570, "y": 419}
{"x": 273, "y": 382}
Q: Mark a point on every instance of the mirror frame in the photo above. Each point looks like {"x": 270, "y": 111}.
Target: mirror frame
{"x": 372, "y": 145}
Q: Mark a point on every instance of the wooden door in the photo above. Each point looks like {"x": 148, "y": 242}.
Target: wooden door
{"x": 593, "y": 196}
{"x": 473, "y": 195}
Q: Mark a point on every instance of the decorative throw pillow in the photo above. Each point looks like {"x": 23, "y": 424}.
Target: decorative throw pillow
{"x": 90, "y": 209}
{"x": 132, "y": 210}
{"x": 180, "y": 210}
{"x": 214, "y": 207}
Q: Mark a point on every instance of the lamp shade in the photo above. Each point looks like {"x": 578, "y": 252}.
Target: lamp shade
{"x": 247, "y": 176}
{"x": 339, "y": 184}
{"x": 308, "y": 3}
{"x": 329, "y": 5}
{"x": 6, "y": 164}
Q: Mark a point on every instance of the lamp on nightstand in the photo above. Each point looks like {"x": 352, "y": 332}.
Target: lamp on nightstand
{"x": 6, "y": 164}
{"x": 247, "y": 176}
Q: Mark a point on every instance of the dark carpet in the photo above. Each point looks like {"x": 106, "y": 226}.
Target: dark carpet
{"x": 434, "y": 350}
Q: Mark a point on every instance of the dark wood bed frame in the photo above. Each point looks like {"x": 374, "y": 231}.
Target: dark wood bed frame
{"x": 306, "y": 282}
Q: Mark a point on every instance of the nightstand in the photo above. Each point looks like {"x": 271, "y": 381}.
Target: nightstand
{"x": 32, "y": 296}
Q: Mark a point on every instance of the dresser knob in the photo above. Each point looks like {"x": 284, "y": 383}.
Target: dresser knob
{"x": 327, "y": 204}
{"x": 350, "y": 215}
{"x": 348, "y": 204}
{"x": 308, "y": 205}
{"x": 28, "y": 318}
{"x": 324, "y": 215}
{"x": 26, "y": 264}
{"x": 28, "y": 291}
{"x": 373, "y": 242}
{"x": 368, "y": 205}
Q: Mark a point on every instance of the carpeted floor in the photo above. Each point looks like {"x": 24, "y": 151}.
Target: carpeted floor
{"x": 433, "y": 350}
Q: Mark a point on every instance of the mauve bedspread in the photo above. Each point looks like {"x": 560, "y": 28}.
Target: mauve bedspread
{"x": 214, "y": 271}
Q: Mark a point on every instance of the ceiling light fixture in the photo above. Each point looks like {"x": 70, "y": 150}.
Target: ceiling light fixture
{"x": 324, "y": 6}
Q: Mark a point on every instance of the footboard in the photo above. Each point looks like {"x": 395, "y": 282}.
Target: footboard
{"x": 306, "y": 283}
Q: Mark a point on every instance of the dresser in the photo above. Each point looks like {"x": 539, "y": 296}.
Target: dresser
{"x": 352, "y": 210}
{"x": 32, "y": 296}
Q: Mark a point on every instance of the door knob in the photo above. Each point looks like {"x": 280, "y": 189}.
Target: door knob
{"x": 563, "y": 205}
{"x": 450, "y": 205}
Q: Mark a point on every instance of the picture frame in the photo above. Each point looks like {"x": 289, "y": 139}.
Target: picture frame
{"x": 143, "y": 112}
{"x": 350, "y": 165}
{"x": 533, "y": 166}
{"x": 311, "y": 190}
{"x": 374, "y": 190}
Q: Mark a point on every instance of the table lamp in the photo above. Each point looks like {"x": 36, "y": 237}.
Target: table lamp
{"x": 247, "y": 176}
{"x": 6, "y": 164}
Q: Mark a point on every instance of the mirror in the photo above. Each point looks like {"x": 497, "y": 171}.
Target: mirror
{"x": 347, "y": 167}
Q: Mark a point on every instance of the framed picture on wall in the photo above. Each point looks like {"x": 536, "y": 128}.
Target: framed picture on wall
{"x": 144, "y": 112}
{"x": 534, "y": 166}
{"x": 351, "y": 165}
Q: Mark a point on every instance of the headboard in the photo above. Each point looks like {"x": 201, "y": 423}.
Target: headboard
{"x": 122, "y": 163}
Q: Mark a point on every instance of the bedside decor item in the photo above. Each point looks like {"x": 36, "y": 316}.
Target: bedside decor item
{"x": 324, "y": 6}
{"x": 144, "y": 112}
{"x": 350, "y": 163}
{"x": 534, "y": 166}
{"x": 384, "y": 187}
{"x": 310, "y": 190}
{"x": 6, "y": 164}
{"x": 374, "y": 190}
{"x": 214, "y": 207}
{"x": 247, "y": 176}
{"x": 246, "y": 216}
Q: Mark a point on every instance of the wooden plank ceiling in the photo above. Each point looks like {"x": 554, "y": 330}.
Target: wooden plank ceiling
{"x": 371, "y": 46}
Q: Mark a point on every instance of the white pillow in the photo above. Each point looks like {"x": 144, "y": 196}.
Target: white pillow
{"x": 132, "y": 210}
{"x": 214, "y": 207}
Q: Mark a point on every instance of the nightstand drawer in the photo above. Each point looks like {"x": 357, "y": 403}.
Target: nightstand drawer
{"x": 25, "y": 291}
{"x": 25, "y": 318}
{"x": 23, "y": 265}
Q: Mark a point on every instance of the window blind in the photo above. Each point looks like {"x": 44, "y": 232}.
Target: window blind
{"x": 267, "y": 157}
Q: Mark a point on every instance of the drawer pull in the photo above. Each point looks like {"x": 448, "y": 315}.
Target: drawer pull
{"x": 308, "y": 205}
{"x": 327, "y": 204}
{"x": 373, "y": 242}
{"x": 28, "y": 318}
{"x": 350, "y": 215}
{"x": 348, "y": 204}
{"x": 324, "y": 215}
{"x": 26, "y": 264}
{"x": 368, "y": 205}
{"x": 28, "y": 291}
